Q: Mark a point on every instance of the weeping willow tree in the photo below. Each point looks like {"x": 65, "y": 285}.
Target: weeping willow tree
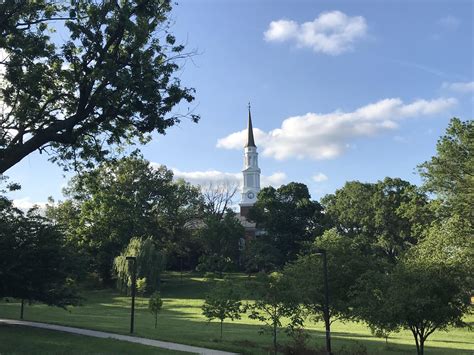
{"x": 150, "y": 262}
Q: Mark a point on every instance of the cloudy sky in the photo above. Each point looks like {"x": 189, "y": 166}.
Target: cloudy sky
{"x": 340, "y": 90}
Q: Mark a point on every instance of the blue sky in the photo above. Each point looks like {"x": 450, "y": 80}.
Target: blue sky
{"x": 340, "y": 90}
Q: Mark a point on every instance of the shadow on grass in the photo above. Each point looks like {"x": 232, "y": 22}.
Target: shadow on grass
{"x": 181, "y": 321}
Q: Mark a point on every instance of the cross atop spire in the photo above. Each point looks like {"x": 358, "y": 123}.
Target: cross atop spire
{"x": 250, "y": 140}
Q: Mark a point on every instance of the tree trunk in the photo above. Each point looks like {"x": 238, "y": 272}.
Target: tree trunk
{"x": 22, "y": 307}
{"x": 221, "y": 328}
{"x": 422, "y": 346}
{"x": 275, "y": 338}
{"x": 415, "y": 334}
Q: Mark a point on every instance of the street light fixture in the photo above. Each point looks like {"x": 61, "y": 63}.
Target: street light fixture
{"x": 133, "y": 259}
{"x": 322, "y": 252}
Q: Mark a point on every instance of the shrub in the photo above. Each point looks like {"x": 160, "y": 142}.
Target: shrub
{"x": 155, "y": 304}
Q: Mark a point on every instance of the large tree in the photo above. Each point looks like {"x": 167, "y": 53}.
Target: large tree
{"x": 345, "y": 263}
{"x": 219, "y": 238}
{"x": 450, "y": 173}
{"x": 128, "y": 198}
{"x": 35, "y": 263}
{"x": 79, "y": 78}
{"x": 387, "y": 217}
{"x": 429, "y": 289}
{"x": 289, "y": 218}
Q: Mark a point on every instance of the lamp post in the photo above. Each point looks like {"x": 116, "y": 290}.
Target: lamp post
{"x": 322, "y": 252}
{"x": 133, "y": 259}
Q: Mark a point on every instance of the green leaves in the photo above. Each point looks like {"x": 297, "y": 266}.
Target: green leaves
{"x": 386, "y": 217}
{"x": 422, "y": 292}
{"x": 450, "y": 174}
{"x": 274, "y": 300}
{"x": 149, "y": 264}
{"x": 110, "y": 83}
{"x": 289, "y": 218}
{"x": 219, "y": 238}
{"x": 124, "y": 199}
{"x": 223, "y": 302}
{"x": 155, "y": 303}
{"x": 35, "y": 263}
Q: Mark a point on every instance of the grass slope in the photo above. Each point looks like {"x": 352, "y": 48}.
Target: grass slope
{"x": 181, "y": 321}
{"x": 25, "y": 340}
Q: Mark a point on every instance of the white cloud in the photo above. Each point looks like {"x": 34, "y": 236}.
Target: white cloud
{"x": 449, "y": 22}
{"x": 236, "y": 139}
{"x": 215, "y": 176}
{"x": 275, "y": 180}
{"x": 205, "y": 177}
{"x": 320, "y": 177}
{"x": 327, "y": 136}
{"x": 462, "y": 87}
{"x": 330, "y": 33}
{"x": 25, "y": 204}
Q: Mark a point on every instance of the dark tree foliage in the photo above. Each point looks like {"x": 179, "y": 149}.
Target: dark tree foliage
{"x": 289, "y": 218}
{"x": 345, "y": 262}
{"x": 429, "y": 288}
{"x": 420, "y": 297}
{"x": 220, "y": 242}
{"x": 82, "y": 77}
{"x": 177, "y": 218}
{"x": 35, "y": 264}
{"x": 120, "y": 200}
{"x": 260, "y": 255}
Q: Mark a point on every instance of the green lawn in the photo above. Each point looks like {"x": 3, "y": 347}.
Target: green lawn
{"x": 25, "y": 340}
{"x": 181, "y": 321}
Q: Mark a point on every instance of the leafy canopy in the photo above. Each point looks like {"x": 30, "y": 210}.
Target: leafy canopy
{"x": 119, "y": 200}
{"x": 80, "y": 78}
{"x": 35, "y": 263}
{"x": 450, "y": 173}
{"x": 289, "y": 217}
{"x": 386, "y": 218}
{"x": 428, "y": 290}
{"x": 345, "y": 263}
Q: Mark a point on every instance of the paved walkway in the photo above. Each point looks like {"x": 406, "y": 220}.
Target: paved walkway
{"x": 132, "y": 339}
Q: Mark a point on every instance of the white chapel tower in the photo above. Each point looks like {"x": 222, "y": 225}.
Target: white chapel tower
{"x": 251, "y": 172}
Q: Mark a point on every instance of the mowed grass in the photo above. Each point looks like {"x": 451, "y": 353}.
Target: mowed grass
{"x": 25, "y": 340}
{"x": 181, "y": 321}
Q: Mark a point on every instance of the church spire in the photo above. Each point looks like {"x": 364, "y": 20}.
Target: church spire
{"x": 250, "y": 140}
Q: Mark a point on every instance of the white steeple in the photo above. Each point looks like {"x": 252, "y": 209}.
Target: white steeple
{"x": 251, "y": 171}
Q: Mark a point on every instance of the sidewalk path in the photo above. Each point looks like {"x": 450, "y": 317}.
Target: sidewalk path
{"x": 132, "y": 339}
